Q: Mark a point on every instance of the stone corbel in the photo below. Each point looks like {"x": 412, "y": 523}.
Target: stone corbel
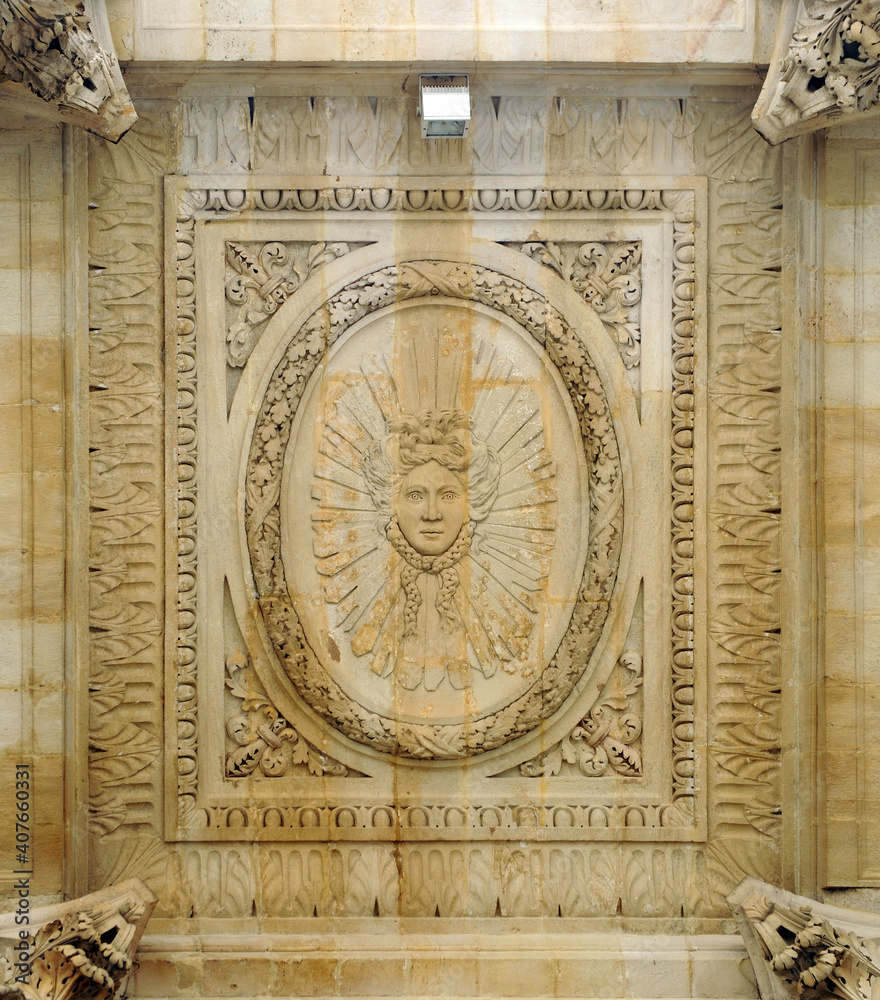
{"x": 825, "y": 68}
{"x": 83, "y": 948}
{"x": 57, "y": 61}
{"x": 799, "y": 947}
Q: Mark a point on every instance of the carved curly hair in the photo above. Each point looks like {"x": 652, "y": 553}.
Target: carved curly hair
{"x": 443, "y": 436}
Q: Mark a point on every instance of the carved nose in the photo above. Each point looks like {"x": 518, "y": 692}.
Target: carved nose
{"x": 433, "y": 511}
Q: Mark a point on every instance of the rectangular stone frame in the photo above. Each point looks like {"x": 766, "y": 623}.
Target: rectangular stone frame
{"x": 683, "y": 202}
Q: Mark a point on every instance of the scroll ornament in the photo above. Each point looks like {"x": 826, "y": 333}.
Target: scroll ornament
{"x": 267, "y": 743}
{"x": 604, "y": 740}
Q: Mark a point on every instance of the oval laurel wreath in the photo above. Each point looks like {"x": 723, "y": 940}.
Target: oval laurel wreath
{"x": 530, "y": 309}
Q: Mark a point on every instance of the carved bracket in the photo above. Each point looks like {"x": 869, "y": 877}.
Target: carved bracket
{"x": 66, "y": 58}
{"x": 826, "y": 68}
{"x": 802, "y": 948}
{"x": 83, "y": 948}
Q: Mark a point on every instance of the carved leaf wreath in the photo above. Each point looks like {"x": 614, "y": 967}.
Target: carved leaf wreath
{"x": 531, "y": 310}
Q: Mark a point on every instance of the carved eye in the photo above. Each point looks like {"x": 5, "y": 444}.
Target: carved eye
{"x": 414, "y": 497}
{"x": 450, "y": 496}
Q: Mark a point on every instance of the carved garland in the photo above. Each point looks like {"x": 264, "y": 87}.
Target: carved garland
{"x": 681, "y": 204}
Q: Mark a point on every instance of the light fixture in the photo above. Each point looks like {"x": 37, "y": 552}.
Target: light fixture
{"x": 444, "y": 106}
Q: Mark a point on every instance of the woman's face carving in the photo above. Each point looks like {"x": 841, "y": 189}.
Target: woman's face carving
{"x": 432, "y": 506}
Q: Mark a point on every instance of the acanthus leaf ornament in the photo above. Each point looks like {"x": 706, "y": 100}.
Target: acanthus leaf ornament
{"x": 605, "y": 740}
{"x": 267, "y": 743}
{"x": 83, "y": 948}
{"x": 799, "y": 947}
{"x": 51, "y": 48}
{"x": 607, "y": 276}
{"x": 260, "y": 278}
{"x": 826, "y": 68}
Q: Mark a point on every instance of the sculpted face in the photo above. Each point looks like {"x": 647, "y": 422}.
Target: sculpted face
{"x": 431, "y": 508}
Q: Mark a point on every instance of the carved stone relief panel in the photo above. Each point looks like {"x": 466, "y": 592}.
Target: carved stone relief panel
{"x": 423, "y": 497}
{"x": 456, "y": 603}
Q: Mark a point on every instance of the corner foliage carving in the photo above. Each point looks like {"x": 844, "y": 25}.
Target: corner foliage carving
{"x": 605, "y": 741}
{"x": 83, "y": 948}
{"x": 830, "y": 69}
{"x": 260, "y": 277}
{"x": 608, "y": 277}
{"x": 49, "y": 46}
{"x": 266, "y": 742}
